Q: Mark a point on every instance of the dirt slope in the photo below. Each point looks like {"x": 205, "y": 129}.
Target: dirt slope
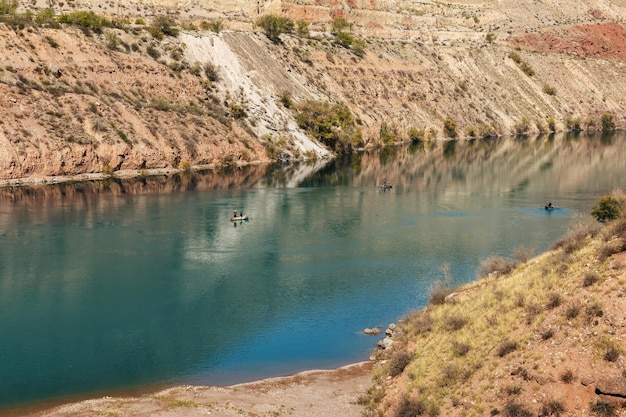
{"x": 76, "y": 102}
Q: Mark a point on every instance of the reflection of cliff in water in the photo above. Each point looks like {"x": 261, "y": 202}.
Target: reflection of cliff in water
{"x": 240, "y": 177}
{"x": 494, "y": 165}
{"x": 419, "y": 166}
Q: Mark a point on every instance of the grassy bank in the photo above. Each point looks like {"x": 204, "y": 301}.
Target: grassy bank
{"x": 531, "y": 337}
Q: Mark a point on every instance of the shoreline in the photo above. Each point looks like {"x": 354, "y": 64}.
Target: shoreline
{"x": 302, "y": 392}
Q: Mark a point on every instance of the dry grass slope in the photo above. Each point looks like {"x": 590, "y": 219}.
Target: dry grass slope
{"x": 545, "y": 338}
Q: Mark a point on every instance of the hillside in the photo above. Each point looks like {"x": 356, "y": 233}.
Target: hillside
{"x": 126, "y": 100}
{"x": 546, "y": 338}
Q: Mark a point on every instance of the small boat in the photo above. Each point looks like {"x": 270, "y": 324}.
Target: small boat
{"x": 238, "y": 218}
{"x": 386, "y": 186}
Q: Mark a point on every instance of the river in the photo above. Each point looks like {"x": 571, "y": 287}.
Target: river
{"x": 113, "y": 286}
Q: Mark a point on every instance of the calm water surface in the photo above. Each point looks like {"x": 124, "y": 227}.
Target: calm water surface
{"x": 111, "y": 286}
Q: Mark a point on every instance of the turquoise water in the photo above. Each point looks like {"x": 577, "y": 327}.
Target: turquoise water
{"x": 115, "y": 286}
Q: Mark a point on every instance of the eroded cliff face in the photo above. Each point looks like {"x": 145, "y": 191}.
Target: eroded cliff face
{"x": 75, "y": 102}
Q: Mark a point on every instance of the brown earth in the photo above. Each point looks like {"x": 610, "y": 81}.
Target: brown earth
{"x": 307, "y": 394}
{"x": 601, "y": 40}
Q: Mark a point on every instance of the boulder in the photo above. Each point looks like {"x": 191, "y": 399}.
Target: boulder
{"x": 612, "y": 385}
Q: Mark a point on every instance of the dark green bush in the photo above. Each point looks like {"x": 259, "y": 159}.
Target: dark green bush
{"x": 449, "y": 127}
{"x": 331, "y": 124}
{"x": 607, "y": 122}
{"x": 274, "y": 26}
{"x": 163, "y": 25}
{"x": 85, "y": 19}
{"x": 607, "y": 208}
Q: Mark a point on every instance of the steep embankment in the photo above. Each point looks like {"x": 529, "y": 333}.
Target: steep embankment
{"x": 76, "y": 101}
{"x": 547, "y": 338}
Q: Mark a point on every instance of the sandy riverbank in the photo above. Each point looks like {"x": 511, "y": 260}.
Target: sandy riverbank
{"x": 318, "y": 393}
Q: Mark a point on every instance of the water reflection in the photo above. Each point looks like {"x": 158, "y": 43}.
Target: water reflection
{"x": 119, "y": 283}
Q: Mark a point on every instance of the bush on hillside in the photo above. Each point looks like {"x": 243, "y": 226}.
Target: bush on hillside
{"x": 331, "y": 124}
{"x": 398, "y": 362}
{"x": 607, "y": 122}
{"x": 163, "y": 25}
{"x": 496, "y": 265}
{"x": 608, "y": 208}
{"x": 274, "y": 26}
{"x": 85, "y": 19}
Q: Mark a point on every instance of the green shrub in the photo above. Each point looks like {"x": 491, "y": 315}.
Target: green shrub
{"x": 490, "y": 37}
{"x": 573, "y": 124}
{"x": 274, "y": 26}
{"x": 527, "y": 69}
{"x": 45, "y": 17}
{"x": 515, "y": 57}
{"x": 302, "y": 27}
{"x": 216, "y": 25}
{"x": 85, "y": 19}
{"x": 153, "y": 52}
{"x": 607, "y": 122}
{"x": 416, "y": 135}
{"x": 339, "y": 24}
{"x": 8, "y": 7}
{"x": 607, "y": 208}
{"x": 551, "y": 123}
{"x": 449, "y": 127}
{"x": 387, "y": 134}
{"x": 331, "y": 124}
{"x": 549, "y": 90}
{"x": 285, "y": 99}
{"x": 211, "y": 72}
{"x": 163, "y": 25}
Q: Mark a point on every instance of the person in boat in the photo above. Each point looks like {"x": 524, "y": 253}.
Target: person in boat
{"x": 235, "y": 213}
{"x": 549, "y": 205}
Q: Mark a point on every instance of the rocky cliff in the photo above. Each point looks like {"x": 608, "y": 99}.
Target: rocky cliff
{"x": 120, "y": 100}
